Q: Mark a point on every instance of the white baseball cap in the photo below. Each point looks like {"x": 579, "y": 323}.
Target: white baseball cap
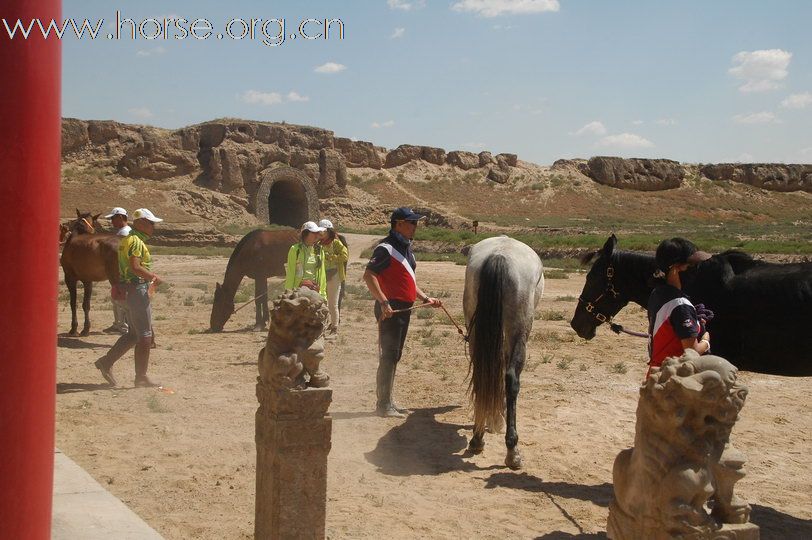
{"x": 326, "y": 223}
{"x": 117, "y": 211}
{"x": 312, "y": 227}
{"x": 144, "y": 213}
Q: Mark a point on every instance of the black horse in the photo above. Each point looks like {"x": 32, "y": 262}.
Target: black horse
{"x": 763, "y": 310}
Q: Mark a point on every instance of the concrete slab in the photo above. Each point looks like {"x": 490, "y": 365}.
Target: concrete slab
{"x": 83, "y": 509}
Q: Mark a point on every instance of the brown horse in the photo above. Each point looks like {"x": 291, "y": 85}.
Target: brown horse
{"x": 259, "y": 255}
{"x": 87, "y": 257}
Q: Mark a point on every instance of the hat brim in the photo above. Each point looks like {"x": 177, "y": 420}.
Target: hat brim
{"x": 698, "y": 257}
{"x": 317, "y": 229}
{"x": 153, "y": 220}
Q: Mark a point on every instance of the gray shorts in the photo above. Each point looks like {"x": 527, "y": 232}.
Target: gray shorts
{"x": 139, "y": 310}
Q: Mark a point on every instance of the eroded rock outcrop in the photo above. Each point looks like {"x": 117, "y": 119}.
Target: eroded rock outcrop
{"x": 771, "y": 176}
{"x": 637, "y": 174}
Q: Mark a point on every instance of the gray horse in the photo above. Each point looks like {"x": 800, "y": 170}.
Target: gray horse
{"x": 504, "y": 282}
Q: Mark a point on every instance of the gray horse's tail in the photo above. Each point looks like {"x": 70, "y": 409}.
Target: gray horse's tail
{"x": 486, "y": 339}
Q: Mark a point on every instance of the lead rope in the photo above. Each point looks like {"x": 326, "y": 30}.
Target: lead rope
{"x": 450, "y": 318}
{"x": 618, "y": 328}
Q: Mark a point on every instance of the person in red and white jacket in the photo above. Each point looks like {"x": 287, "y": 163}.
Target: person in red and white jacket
{"x": 390, "y": 277}
{"x": 674, "y": 325}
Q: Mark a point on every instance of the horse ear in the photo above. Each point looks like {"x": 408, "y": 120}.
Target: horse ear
{"x": 610, "y": 245}
{"x": 96, "y": 217}
{"x": 78, "y": 213}
{"x": 216, "y": 286}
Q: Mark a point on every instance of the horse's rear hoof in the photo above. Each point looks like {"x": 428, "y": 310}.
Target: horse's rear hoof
{"x": 73, "y": 332}
{"x": 476, "y": 447}
{"x": 85, "y": 332}
{"x": 514, "y": 460}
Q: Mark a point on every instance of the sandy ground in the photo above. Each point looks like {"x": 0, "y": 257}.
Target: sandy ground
{"x": 185, "y": 461}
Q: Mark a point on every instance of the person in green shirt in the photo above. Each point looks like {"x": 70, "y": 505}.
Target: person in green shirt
{"x": 305, "y": 266}
{"x": 137, "y": 282}
{"x": 336, "y": 255}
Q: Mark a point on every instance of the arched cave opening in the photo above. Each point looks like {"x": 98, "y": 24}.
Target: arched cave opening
{"x": 287, "y": 203}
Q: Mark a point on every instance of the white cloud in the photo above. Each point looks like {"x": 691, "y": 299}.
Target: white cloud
{"x": 403, "y": 5}
{"x": 475, "y": 145}
{"x": 592, "y": 128}
{"x": 398, "y": 33}
{"x": 637, "y": 122}
{"x": 494, "y": 8}
{"x": 666, "y": 122}
{"x": 140, "y": 112}
{"x": 503, "y": 27}
{"x": 625, "y": 141}
{"x": 798, "y": 101}
{"x": 296, "y": 97}
{"x": 255, "y": 97}
{"x": 330, "y": 67}
{"x": 763, "y": 117}
{"x": 744, "y": 157}
{"x": 156, "y": 51}
{"x": 761, "y": 70}
{"x": 378, "y": 125}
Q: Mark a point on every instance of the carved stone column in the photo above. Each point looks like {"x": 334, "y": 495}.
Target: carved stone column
{"x": 293, "y": 433}
{"x": 293, "y": 427}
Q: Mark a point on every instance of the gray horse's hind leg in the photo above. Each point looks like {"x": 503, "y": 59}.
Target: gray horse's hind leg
{"x": 512, "y": 375}
{"x": 477, "y": 443}
{"x": 88, "y": 285}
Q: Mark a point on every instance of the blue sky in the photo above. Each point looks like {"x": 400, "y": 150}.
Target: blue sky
{"x": 693, "y": 80}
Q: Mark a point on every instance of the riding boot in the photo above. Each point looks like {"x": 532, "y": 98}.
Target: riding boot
{"x": 395, "y": 406}
{"x": 384, "y": 380}
{"x": 141, "y": 366}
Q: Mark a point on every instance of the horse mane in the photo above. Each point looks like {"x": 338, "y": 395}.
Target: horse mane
{"x": 739, "y": 261}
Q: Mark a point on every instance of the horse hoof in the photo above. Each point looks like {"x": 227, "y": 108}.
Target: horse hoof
{"x": 476, "y": 447}
{"x": 259, "y": 328}
{"x": 514, "y": 461}
{"x": 73, "y": 333}
{"x": 85, "y": 332}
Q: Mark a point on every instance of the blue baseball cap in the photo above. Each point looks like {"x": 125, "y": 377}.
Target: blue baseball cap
{"x": 405, "y": 213}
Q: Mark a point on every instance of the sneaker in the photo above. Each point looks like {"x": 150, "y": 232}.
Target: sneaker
{"x": 112, "y": 329}
{"x": 106, "y": 372}
{"x": 389, "y": 412}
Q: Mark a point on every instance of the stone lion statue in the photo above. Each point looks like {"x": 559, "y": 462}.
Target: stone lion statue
{"x": 295, "y": 346}
{"x": 682, "y": 456}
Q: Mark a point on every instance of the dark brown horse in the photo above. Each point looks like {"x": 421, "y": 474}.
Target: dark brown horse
{"x": 87, "y": 257}
{"x": 259, "y": 255}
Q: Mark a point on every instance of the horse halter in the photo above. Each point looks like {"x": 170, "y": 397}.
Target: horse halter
{"x": 89, "y": 226}
{"x": 610, "y": 289}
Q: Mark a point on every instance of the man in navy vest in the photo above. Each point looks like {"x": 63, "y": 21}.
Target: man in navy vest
{"x": 391, "y": 280}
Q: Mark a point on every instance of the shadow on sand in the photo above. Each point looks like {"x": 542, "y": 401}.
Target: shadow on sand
{"x": 423, "y": 446}
{"x": 72, "y": 388}
{"x": 559, "y": 535}
{"x": 600, "y": 495}
{"x": 775, "y": 524}
{"x": 75, "y": 342}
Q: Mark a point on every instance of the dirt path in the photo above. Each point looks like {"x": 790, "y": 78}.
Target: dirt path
{"x": 185, "y": 461}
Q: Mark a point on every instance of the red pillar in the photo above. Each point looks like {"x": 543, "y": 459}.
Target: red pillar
{"x": 30, "y": 130}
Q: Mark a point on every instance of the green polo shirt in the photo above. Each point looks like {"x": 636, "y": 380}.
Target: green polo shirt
{"x": 133, "y": 245}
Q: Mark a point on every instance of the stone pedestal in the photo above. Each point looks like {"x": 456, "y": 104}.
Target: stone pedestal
{"x": 293, "y": 431}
